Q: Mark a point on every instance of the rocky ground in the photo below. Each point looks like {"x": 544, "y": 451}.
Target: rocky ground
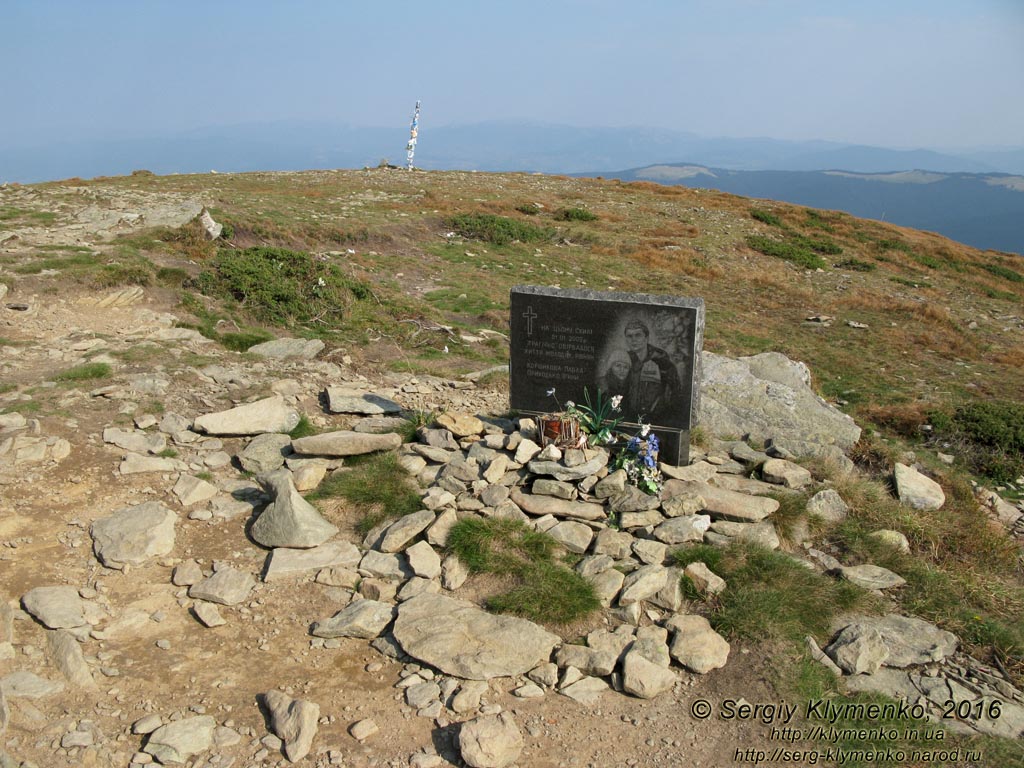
{"x": 147, "y": 617}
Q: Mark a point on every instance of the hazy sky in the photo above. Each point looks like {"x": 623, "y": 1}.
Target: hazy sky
{"x": 898, "y": 73}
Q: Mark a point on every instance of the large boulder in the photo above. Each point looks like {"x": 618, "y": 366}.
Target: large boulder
{"x": 462, "y": 640}
{"x": 917, "y": 491}
{"x": 492, "y": 741}
{"x": 769, "y": 396}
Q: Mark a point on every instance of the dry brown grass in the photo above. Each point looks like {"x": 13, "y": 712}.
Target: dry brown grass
{"x": 673, "y": 229}
{"x": 684, "y": 261}
{"x": 905, "y": 419}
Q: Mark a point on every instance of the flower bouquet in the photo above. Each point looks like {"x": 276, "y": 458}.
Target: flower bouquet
{"x": 639, "y": 458}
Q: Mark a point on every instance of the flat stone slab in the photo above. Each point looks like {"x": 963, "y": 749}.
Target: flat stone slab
{"x": 909, "y": 640}
{"x": 346, "y": 443}
{"x": 176, "y": 742}
{"x": 271, "y": 414}
{"x": 364, "y": 619}
{"x": 871, "y": 576}
{"x": 228, "y": 586}
{"x": 27, "y": 685}
{"x": 284, "y": 563}
{"x": 724, "y": 504}
{"x": 549, "y": 505}
{"x": 134, "y": 535}
{"x": 462, "y": 640}
{"x": 344, "y": 400}
{"x": 56, "y": 607}
{"x": 305, "y": 349}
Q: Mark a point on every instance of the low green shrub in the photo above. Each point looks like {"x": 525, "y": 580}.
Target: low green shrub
{"x": 788, "y": 250}
{"x": 575, "y": 214}
{"x": 498, "y": 230}
{"x": 85, "y": 372}
{"x": 856, "y": 265}
{"x": 765, "y": 217}
{"x": 989, "y": 436}
{"x": 1004, "y": 272}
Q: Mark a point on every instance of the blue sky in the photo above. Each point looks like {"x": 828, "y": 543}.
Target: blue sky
{"x": 898, "y": 73}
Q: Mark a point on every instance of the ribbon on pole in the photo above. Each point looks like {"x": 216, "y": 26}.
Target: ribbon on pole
{"x": 414, "y": 129}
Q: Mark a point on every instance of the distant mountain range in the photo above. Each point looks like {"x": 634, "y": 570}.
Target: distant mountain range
{"x": 967, "y": 195}
{"x": 982, "y": 210}
{"x": 493, "y": 146}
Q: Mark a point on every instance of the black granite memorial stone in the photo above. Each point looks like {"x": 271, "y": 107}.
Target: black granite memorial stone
{"x": 645, "y": 348}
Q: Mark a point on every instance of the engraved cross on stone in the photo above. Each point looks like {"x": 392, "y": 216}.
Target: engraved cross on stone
{"x": 530, "y": 316}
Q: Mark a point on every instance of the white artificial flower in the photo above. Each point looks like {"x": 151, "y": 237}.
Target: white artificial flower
{"x": 320, "y": 282}
{"x": 570, "y": 404}
{"x": 615, "y": 401}
{"x": 645, "y": 430}
{"x": 551, "y": 392}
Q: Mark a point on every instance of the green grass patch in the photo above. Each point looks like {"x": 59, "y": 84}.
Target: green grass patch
{"x": 240, "y": 341}
{"x": 927, "y": 261}
{"x": 377, "y": 483}
{"x": 85, "y": 372}
{"x": 855, "y": 265}
{"x": 544, "y": 589}
{"x": 575, "y": 214}
{"x": 304, "y": 428}
{"x": 499, "y": 230}
{"x": 766, "y": 217}
{"x": 116, "y": 275}
{"x": 529, "y": 209}
{"x": 168, "y": 453}
{"x": 818, "y": 220}
{"x": 893, "y": 245}
{"x": 771, "y": 597}
{"x": 75, "y": 262}
{"x": 1004, "y": 272}
{"x": 24, "y": 407}
{"x": 788, "y": 250}
{"x": 25, "y": 217}
{"x": 171, "y": 276}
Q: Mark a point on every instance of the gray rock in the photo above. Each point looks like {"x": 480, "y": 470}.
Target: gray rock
{"x": 492, "y": 741}
{"x": 193, "y": 490}
{"x": 894, "y": 540}
{"x": 559, "y": 471}
{"x": 643, "y": 583}
{"x": 294, "y": 721}
{"x": 345, "y": 443}
{"x": 66, "y": 654}
{"x": 461, "y": 424}
{"x": 493, "y": 495}
{"x": 858, "y": 650}
{"x": 586, "y": 690}
{"x": 782, "y": 472}
{"x": 134, "y": 535}
{"x": 363, "y": 729}
{"x": 763, "y": 534}
{"x": 544, "y": 674}
{"x": 650, "y": 552}
{"x": 525, "y": 451}
{"x": 917, "y": 491}
{"x": 698, "y": 472}
{"x": 265, "y": 453}
{"x": 208, "y": 614}
{"x": 385, "y": 565}
{"x": 544, "y": 486}
{"x": 364, "y": 619}
{"x": 645, "y": 679}
{"x": 56, "y": 607}
{"x": 271, "y": 414}
{"x": 724, "y": 504}
{"x": 821, "y": 657}
{"x": 573, "y": 536}
{"x": 828, "y": 505}
{"x": 611, "y": 485}
{"x": 768, "y": 395}
{"x": 136, "y": 442}
{"x": 405, "y": 529}
{"x": 344, "y": 400}
{"x": 615, "y": 544}
{"x": 379, "y": 424}
{"x": 421, "y": 695}
{"x": 305, "y": 349}
{"x": 679, "y": 530}
{"x": 177, "y": 741}
{"x": 187, "y": 573}
{"x": 548, "y": 505}
{"x": 607, "y": 585}
{"x": 908, "y": 640}
{"x": 284, "y": 563}
{"x": 423, "y": 560}
{"x": 28, "y": 685}
{"x": 682, "y": 505}
{"x": 871, "y": 576}
{"x": 643, "y": 519}
{"x": 468, "y": 697}
{"x": 669, "y": 597}
{"x": 5, "y": 713}
{"x": 134, "y": 464}
{"x": 289, "y": 520}
{"x": 589, "y": 661}
{"x": 594, "y": 564}
{"x": 704, "y": 580}
{"x": 462, "y": 640}
{"x": 632, "y": 499}
{"x": 227, "y": 586}
{"x": 696, "y": 645}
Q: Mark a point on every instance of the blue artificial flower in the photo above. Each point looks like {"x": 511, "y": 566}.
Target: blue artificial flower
{"x": 633, "y": 444}
{"x": 649, "y": 460}
{"x": 652, "y": 443}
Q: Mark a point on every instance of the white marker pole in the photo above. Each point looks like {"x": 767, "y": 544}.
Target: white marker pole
{"x": 410, "y": 148}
